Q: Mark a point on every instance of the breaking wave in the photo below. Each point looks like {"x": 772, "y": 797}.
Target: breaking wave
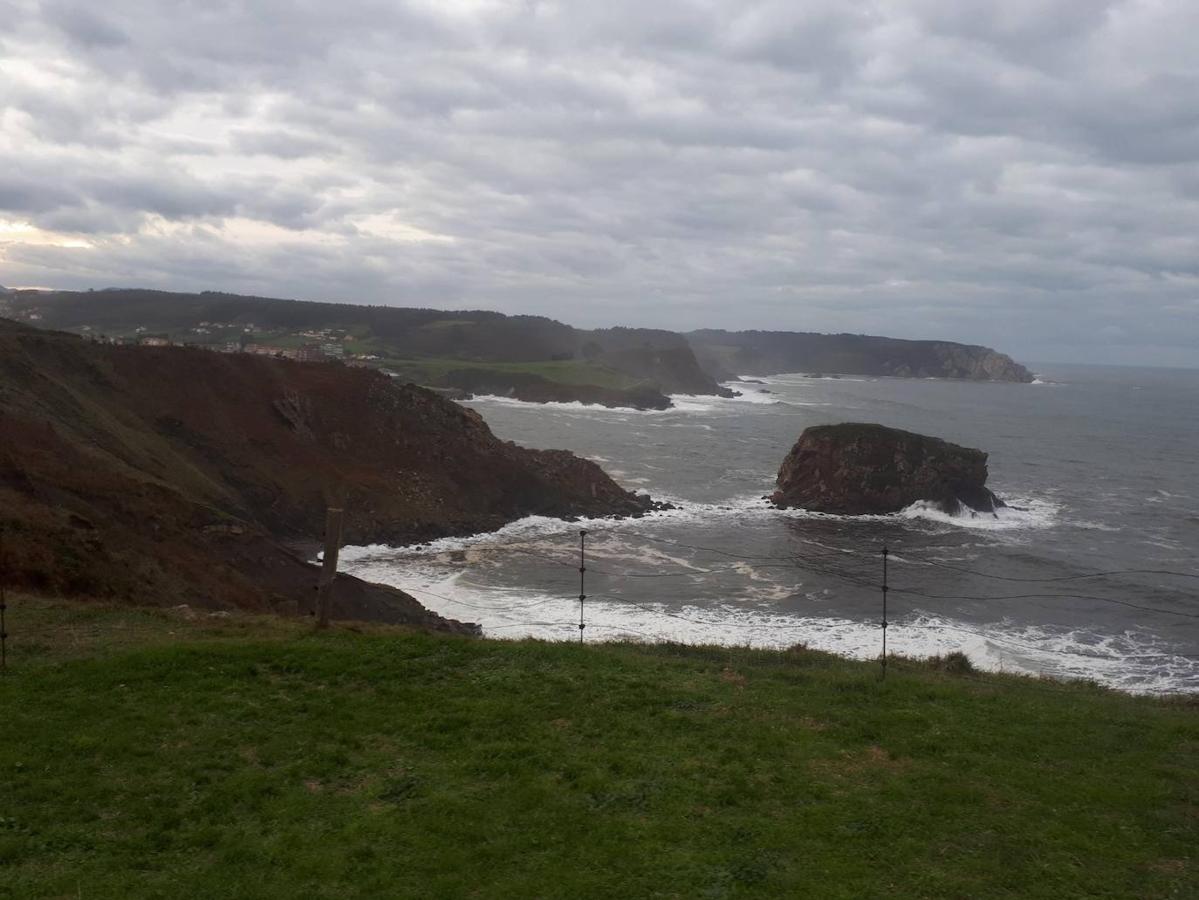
{"x": 1019, "y": 514}
{"x": 1132, "y": 660}
{"x": 681, "y": 403}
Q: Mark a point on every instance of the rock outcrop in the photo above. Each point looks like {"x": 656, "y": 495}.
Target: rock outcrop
{"x": 856, "y": 469}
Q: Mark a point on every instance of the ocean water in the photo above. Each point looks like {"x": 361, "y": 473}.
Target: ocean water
{"x": 1093, "y": 572}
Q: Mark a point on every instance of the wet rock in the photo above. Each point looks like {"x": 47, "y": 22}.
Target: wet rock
{"x": 856, "y": 469}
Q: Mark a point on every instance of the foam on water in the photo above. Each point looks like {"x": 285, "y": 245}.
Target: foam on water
{"x": 1033, "y": 514}
{"x": 748, "y": 396}
{"x": 794, "y": 378}
{"x": 526, "y": 528}
{"x": 1025, "y": 513}
{"x": 1131, "y": 661}
{"x": 574, "y": 405}
{"x": 752, "y": 393}
{"x": 681, "y": 403}
{"x": 1020, "y": 514}
{"x": 1069, "y": 513}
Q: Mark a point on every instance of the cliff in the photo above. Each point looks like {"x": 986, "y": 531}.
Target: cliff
{"x": 663, "y": 359}
{"x": 156, "y": 473}
{"x": 775, "y": 352}
{"x": 855, "y": 469}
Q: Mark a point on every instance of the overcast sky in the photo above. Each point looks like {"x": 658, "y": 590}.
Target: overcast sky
{"x": 1015, "y": 173}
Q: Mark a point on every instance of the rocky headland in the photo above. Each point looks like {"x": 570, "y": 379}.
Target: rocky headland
{"x": 857, "y": 469}
{"x": 776, "y": 352}
{"x": 178, "y": 475}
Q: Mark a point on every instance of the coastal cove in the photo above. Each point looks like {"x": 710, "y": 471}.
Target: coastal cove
{"x": 1094, "y": 461}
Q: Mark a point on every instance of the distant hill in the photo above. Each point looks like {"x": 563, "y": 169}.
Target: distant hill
{"x": 775, "y": 352}
{"x": 168, "y": 472}
{"x": 417, "y": 341}
{"x": 527, "y": 357}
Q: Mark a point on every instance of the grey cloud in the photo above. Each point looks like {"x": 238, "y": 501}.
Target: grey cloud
{"x": 962, "y": 169}
{"x": 280, "y": 143}
{"x": 83, "y": 25}
{"x": 72, "y": 192}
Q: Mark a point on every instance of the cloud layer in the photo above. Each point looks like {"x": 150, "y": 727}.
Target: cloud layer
{"x": 1024, "y": 174}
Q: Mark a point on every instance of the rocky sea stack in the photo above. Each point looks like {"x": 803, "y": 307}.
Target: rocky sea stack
{"x": 857, "y": 469}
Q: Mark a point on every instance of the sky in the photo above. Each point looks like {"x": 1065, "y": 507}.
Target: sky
{"x": 1018, "y": 174}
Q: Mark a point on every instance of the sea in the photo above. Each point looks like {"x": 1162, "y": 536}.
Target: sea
{"x": 1092, "y": 571}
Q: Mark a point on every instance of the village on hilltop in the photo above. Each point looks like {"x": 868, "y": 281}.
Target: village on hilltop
{"x": 316, "y": 345}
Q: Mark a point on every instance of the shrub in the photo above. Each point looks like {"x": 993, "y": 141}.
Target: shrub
{"x": 955, "y": 663}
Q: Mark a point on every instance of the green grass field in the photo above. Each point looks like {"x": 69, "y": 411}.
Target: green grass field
{"x": 148, "y": 754}
{"x": 570, "y": 371}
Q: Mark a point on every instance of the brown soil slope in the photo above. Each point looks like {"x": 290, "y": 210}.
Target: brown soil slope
{"x": 170, "y": 475}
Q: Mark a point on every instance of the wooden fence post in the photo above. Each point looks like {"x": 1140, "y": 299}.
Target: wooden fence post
{"x": 324, "y": 595}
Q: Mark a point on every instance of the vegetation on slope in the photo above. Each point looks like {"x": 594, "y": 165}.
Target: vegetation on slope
{"x": 571, "y": 371}
{"x": 150, "y": 756}
{"x": 660, "y": 359}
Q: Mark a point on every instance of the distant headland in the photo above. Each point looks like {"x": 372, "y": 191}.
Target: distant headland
{"x": 530, "y": 358}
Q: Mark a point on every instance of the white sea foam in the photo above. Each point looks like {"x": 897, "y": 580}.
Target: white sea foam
{"x": 551, "y": 404}
{"x": 1131, "y": 661}
{"x": 793, "y": 378}
{"x": 699, "y": 403}
{"x": 1020, "y": 514}
{"x": 694, "y": 403}
{"x": 680, "y": 403}
{"x": 450, "y": 576}
{"x": 752, "y": 393}
{"x": 1031, "y": 514}
{"x": 530, "y": 527}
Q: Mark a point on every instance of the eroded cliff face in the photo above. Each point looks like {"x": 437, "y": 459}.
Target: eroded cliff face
{"x": 174, "y": 474}
{"x": 775, "y": 352}
{"x": 662, "y": 359}
{"x": 970, "y": 363}
{"x": 856, "y": 469}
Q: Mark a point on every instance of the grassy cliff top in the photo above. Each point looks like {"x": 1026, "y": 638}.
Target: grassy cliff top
{"x": 169, "y": 754}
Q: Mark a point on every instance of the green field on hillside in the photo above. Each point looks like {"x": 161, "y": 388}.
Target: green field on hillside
{"x": 174, "y": 754}
{"x": 569, "y": 371}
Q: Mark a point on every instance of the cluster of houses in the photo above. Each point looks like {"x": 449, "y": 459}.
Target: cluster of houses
{"x": 323, "y": 345}
{"x": 306, "y": 353}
